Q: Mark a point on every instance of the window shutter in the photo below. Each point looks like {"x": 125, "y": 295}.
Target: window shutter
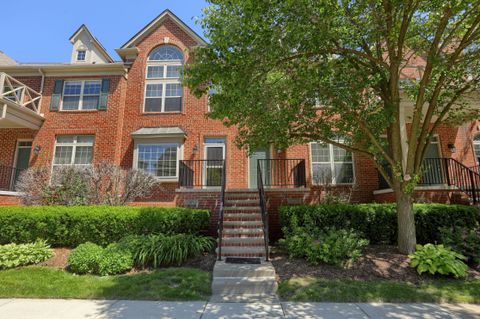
{"x": 102, "y": 104}
{"x": 56, "y": 95}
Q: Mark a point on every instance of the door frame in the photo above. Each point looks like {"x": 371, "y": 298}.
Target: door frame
{"x": 270, "y": 151}
{"x": 205, "y": 146}
{"x": 15, "y": 157}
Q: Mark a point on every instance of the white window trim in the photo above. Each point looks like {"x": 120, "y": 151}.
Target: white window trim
{"x": 85, "y": 56}
{"x": 74, "y": 146}
{"x": 332, "y": 165}
{"x": 164, "y": 81}
{"x": 207, "y": 145}
{"x": 474, "y": 142}
{"x": 157, "y": 141}
{"x": 80, "y": 103}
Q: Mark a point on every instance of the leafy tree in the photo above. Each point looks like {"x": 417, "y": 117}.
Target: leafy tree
{"x": 272, "y": 63}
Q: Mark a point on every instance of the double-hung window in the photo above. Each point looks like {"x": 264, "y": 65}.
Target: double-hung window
{"x": 163, "y": 89}
{"x": 160, "y": 159}
{"x": 331, "y": 164}
{"x": 73, "y": 150}
{"x": 81, "y": 95}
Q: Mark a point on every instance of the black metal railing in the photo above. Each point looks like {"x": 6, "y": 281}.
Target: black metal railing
{"x": 283, "y": 173}
{"x": 450, "y": 172}
{"x": 8, "y": 177}
{"x": 475, "y": 168}
{"x": 201, "y": 173}
{"x": 263, "y": 208}
{"x": 222, "y": 209}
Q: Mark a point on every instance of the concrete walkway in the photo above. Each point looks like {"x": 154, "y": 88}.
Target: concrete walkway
{"x": 123, "y": 309}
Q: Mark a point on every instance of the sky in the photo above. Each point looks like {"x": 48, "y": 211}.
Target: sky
{"x": 38, "y": 30}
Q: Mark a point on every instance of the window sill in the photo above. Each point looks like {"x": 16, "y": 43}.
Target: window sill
{"x": 78, "y": 111}
{"x": 163, "y": 113}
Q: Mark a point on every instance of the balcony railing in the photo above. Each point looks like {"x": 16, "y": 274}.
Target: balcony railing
{"x": 201, "y": 173}
{"x": 14, "y": 91}
{"x": 283, "y": 173}
{"x": 8, "y": 177}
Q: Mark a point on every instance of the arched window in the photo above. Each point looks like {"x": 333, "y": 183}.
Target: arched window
{"x": 476, "y": 148}
{"x": 163, "y": 89}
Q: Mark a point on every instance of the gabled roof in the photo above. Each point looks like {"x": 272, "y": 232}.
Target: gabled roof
{"x": 95, "y": 41}
{"x": 158, "y": 21}
{"x": 6, "y": 60}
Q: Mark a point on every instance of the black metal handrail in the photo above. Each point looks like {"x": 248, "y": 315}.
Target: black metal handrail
{"x": 8, "y": 177}
{"x": 221, "y": 211}
{"x": 450, "y": 172}
{"x": 263, "y": 208}
{"x": 284, "y": 173}
{"x": 201, "y": 173}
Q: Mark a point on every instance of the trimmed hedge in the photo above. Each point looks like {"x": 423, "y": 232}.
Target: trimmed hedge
{"x": 102, "y": 225}
{"x": 378, "y": 222}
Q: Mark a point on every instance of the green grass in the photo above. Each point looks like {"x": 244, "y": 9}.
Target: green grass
{"x": 317, "y": 289}
{"x": 164, "y": 284}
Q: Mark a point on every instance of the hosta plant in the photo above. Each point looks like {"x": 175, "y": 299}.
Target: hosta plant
{"x": 15, "y": 255}
{"x": 438, "y": 259}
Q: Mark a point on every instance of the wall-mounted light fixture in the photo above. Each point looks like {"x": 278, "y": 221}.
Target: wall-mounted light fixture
{"x": 452, "y": 148}
{"x": 195, "y": 149}
{"x": 37, "y": 149}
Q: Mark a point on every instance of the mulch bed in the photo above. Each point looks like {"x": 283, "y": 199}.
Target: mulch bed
{"x": 59, "y": 259}
{"x": 377, "y": 263}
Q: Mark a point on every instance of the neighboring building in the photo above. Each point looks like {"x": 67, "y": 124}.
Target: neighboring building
{"x": 135, "y": 113}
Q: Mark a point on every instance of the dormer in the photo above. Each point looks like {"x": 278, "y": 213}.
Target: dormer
{"x": 87, "y": 49}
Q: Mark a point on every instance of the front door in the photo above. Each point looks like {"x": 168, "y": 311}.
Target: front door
{"x": 214, "y": 157}
{"x": 22, "y": 159}
{"x": 262, "y": 155}
{"x": 432, "y": 166}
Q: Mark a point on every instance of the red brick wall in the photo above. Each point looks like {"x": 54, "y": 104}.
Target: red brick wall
{"x": 6, "y": 200}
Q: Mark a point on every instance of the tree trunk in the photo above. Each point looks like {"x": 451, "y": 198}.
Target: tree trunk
{"x": 406, "y": 223}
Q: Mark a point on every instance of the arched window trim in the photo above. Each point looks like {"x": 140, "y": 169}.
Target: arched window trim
{"x": 163, "y": 88}
{"x": 172, "y": 53}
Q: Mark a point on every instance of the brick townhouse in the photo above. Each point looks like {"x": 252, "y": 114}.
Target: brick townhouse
{"x": 134, "y": 112}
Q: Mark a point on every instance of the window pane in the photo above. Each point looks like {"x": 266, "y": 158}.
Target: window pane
{"x": 343, "y": 173}
{"x": 341, "y": 155}
{"x": 71, "y": 102}
{"x": 72, "y": 88}
{"x": 154, "y": 72}
{"x": 85, "y": 139}
{"x": 65, "y": 139}
{"x": 173, "y": 71}
{"x": 154, "y": 90}
{"x": 90, "y": 102}
{"x": 322, "y": 173}
{"x": 174, "y": 90}
{"x": 320, "y": 153}
{"x": 81, "y": 55}
{"x": 153, "y": 105}
{"x": 63, "y": 155}
{"x": 92, "y": 87}
{"x": 214, "y": 140}
{"x": 166, "y": 52}
{"x": 158, "y": 159}
{"x": 173, "y": 104}
{"x": 83, "y": 155}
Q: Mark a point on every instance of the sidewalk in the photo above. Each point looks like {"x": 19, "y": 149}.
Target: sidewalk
{"x": 124, "y": 309}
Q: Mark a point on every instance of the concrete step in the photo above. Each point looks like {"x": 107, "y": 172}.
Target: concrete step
{"x": 241, "y": 209}
{"x": 242, "y": 216}
{"x": 242, "y": 202}
{"x": 242, "y": 251}
{"x": 242, "y": 232}
{"x": 247, "y": 241}
{"x": 244, "y": 286}
{"x": 245, "y": 298}
{"x": 223, "y": 269}
{"x": 243, "y": 224}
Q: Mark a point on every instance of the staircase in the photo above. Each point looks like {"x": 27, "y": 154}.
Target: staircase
{"x": 243, "y": 234}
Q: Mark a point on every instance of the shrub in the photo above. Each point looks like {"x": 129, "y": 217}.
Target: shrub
{"x": 378, "y": 222}
{"x": 465, "y": 241}
{"x": 101, "y": 184}
{"x": 90, "y": 258}
{"x": 85, "y": 258}
{"x": 438, "y": 259}
{"x": 71, "y": 226}
{"x": 13, "y": 255}
{"x": 162, "y": 250}
{"x": 332, "y": 246}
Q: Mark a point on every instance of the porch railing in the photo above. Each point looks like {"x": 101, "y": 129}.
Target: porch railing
{"x": 8, "y": 177}
{"x": 263, "y": 208}
{"x": 283, "y": 173}
{"x": 201, "y": 173}
{"x": 15, "y": 91}
{"x": 222, "y": 210}
{"x": 450, "y": 172}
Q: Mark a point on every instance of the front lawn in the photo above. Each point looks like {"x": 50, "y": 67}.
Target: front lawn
{"x": 316, "y": 289}
{"x": 162, "y": 284}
